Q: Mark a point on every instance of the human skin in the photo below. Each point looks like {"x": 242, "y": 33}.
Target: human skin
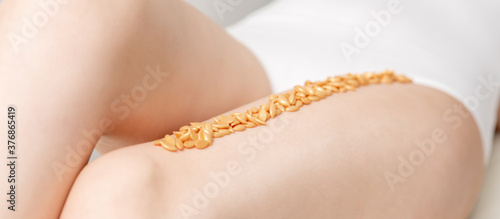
{"x": 66, "y": 79}
{"x": 90, "y": 57}
{"x": 328, "y": 160}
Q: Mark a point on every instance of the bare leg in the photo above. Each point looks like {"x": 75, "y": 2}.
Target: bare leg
{"x": 140, "y": 68}
{"x": 384, "y": 151}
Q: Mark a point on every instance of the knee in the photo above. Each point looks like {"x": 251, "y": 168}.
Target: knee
{"x": 116, "y": 184}
{"x": 62, "y": 38}
{"x": 69, "y": 24}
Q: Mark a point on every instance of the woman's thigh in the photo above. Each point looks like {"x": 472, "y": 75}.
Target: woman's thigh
{"x": 128, "y": 70}
{"x": 384, "y": 151}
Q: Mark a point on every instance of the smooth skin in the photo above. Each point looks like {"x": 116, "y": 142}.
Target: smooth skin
{"x": 81, "y": 71}
{"x": 329, "y": 160}
{"x": 314, "y": 163}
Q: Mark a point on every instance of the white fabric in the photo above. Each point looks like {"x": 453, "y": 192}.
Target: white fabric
{"x": 450, "y": 45}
